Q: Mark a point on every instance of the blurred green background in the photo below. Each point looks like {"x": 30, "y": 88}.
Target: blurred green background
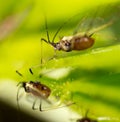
{"x": 90, "y": 78}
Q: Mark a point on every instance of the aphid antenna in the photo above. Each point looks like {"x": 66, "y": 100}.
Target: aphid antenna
{"x": 20, "y": 83}
{"x": 64, "y": 25}
{"x": 58, "y": 30}
{"x": 19, "y": 73}
{"x": 31, "y": 68}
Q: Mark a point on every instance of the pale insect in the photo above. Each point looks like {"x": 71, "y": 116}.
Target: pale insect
{"x": 86, "y": 119}
{"x": 38, "y": 90}
{"x": 79, "y": 41}
{"x": 99, "y": 119}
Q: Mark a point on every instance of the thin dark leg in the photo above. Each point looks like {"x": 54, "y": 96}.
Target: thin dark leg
{"x": 33, "y": 106}
{"x": 40, "y": 107}
{"x": 54, "y": 107}
{"x": 18, "y": 98}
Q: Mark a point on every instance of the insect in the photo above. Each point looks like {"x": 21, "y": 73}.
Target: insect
{"x": 39, "y": 91}
{"x": 75, "y": 42}
{"x": 36, "y": 89}
{"x": 86, "y": 119}
{"x": 99, "y": 119}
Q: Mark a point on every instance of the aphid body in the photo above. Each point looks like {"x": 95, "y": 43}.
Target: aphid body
{"x": 75, "y": 42}
{"x": 37, "y": 89}
{"x": 86, "y": 119}
{"x": 69, "y": 43}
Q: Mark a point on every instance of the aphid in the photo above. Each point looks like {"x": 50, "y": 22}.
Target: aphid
{"x": 75, "y": 42}
{"x": 36, "y": 89}
{"x": 39, "y": 91}
{"x": 99, "y": 119}
{"x": 86, "y": 119}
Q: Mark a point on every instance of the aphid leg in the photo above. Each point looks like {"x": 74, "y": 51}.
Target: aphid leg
{"x": 54, "y": 107}
{"x": 18, "y": 97}
{"x": 54, "y": 56}
{"x": 33, "y": 106}
{"x": 41, "y": 59}
{"x": 40, "y": 107}
{"x": 18, "y": 106}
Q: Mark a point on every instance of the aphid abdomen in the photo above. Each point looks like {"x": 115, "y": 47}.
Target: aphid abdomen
{"x": 37, "y": 89}
{"x": 41, "y": 90}
{"x": 81, "y": 43}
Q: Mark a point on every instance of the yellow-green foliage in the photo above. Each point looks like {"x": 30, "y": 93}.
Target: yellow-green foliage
{"x": 90, "y": 78}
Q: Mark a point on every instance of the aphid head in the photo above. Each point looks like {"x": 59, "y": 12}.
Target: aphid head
{"x": 65, "y": 43}
{"x": 56, "y": 46}
{"x": 22, "y": 85}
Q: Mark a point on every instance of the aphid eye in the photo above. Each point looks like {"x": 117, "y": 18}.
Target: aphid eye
{"x": 43, "y": 88}
{"x": 27, "y": 89}
{"x": 66, "y": 44}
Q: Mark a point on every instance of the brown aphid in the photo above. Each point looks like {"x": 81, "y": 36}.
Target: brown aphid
{"x": 75, "y": 42}
{"x": 69, "y": 43}
{"x": 36, "y": 88}
{"x": 86, "y": 119}
{"x": 39, "y": 91}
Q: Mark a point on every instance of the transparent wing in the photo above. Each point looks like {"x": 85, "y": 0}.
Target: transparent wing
{"x": 89, "y": 24}
{"x": 98, "y": 19}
